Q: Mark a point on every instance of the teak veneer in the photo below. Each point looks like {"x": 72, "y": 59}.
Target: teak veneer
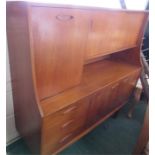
{"x": 71, "y": 68}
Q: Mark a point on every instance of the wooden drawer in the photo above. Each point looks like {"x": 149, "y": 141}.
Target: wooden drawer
{"x": 62, "y": 126}
{"x": 49, "y": 148}
{"x": 58, "y": 131}
{"x": 74, "y": 111}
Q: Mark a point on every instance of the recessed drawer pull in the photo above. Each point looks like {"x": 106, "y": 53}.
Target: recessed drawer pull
{"x": 67, "y": 124}
{"x": 113, "y": 87}
{"x": 65, "y": 138}
{"x": 64, "y": 17}
{"x": 126, "y": 80}
{"x": 70, "y": 109}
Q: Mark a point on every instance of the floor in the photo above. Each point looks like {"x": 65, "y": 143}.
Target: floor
{"x": 116, "y": 136}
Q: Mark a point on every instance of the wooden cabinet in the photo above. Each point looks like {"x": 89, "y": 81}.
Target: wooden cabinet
{"x": 63, "y": 87}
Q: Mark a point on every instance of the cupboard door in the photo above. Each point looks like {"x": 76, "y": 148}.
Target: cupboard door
{"x": 93, "y": 111}
{"x": 114, "y": 97}
{"x": 59, "y": 39}
{"x": 103, "y": 100}
{"x": 111, "y": 31}
{"x": 98, "y": 107}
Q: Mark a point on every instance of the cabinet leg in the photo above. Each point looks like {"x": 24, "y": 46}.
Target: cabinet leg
{"x": 135, "y": 99}
{"x": 130, "y": 112}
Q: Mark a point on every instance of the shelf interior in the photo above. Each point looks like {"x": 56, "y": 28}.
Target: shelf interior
{"x": 95, "y": 76}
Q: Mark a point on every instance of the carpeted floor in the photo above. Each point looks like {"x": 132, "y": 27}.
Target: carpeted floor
{"x": 116, "y": 136}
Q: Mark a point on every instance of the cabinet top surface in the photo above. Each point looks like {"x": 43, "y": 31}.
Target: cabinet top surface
{"x": 73, "y": 6}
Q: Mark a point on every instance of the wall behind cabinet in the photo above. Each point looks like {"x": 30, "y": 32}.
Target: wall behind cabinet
{"x": 11, "y": 132}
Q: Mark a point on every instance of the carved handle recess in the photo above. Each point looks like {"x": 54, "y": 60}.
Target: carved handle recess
{"x": 70, "y": 109}
{"x": 116, "y": 85}
{"x": 67, "y": 124}
{"x": 64, "y": 17}
{"x": 65, "y": 138}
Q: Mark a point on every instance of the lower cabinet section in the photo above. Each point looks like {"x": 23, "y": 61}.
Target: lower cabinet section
{"x": 61, "y": 127}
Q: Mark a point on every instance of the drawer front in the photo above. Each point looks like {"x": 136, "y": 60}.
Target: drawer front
{"x": 75, "y": 111}
{"x": 61, "y": 127}
{"x": 55, "y": 144}
{"x": 58, "y": 131}
{"x": 56, "y": 137}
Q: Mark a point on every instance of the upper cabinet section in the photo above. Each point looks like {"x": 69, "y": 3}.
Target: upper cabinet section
{"x": 59, "y": 39}
{"x": 64, "y": 37}
{"x": 112, "y": 31}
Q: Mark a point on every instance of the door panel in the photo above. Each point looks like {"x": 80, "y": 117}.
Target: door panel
{"x": 111, "y": 31}
{"x": 93, "y": 111}
{"x": 103, "y": 99}
{"x": 110, "y": 97}
{"x": 58, "y": 48}
{"x": 99, "y": 104}
{"x": 114, "y": 97}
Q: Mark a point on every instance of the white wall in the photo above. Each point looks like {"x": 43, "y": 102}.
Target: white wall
{"x": 11, "y": 133}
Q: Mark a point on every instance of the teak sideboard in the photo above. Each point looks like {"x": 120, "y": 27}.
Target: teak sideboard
{"x": 71, "y": 68}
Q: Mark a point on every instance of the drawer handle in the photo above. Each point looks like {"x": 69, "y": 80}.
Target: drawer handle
{"x": 67, "y": 124}
{"x": 115, "y": 86}
{"x": 65, "y": 138}
{"x": 64, "y": 17}
{"x": 70, "y": 109}
{"x": 126, "y": 80}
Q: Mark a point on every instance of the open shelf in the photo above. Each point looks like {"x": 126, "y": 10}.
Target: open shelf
{"x": 95, "y": 76}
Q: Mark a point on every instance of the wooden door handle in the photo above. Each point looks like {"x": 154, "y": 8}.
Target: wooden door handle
{"x": 126, "y": 80}
{"x": 67, "y": 124}
{"x": 64, "y": 17}
{"x": 116, "y": 85}
{"x": 65, "y": 138}
{"x": 70, "y": 109}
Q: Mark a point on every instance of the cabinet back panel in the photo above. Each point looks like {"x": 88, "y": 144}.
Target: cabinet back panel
{"x": 58, "y": 48}
{"x": 112, "y": 31}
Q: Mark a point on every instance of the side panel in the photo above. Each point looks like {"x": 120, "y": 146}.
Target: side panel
{"x": 27, "y": 115}
{"x": 59, "y": 40}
